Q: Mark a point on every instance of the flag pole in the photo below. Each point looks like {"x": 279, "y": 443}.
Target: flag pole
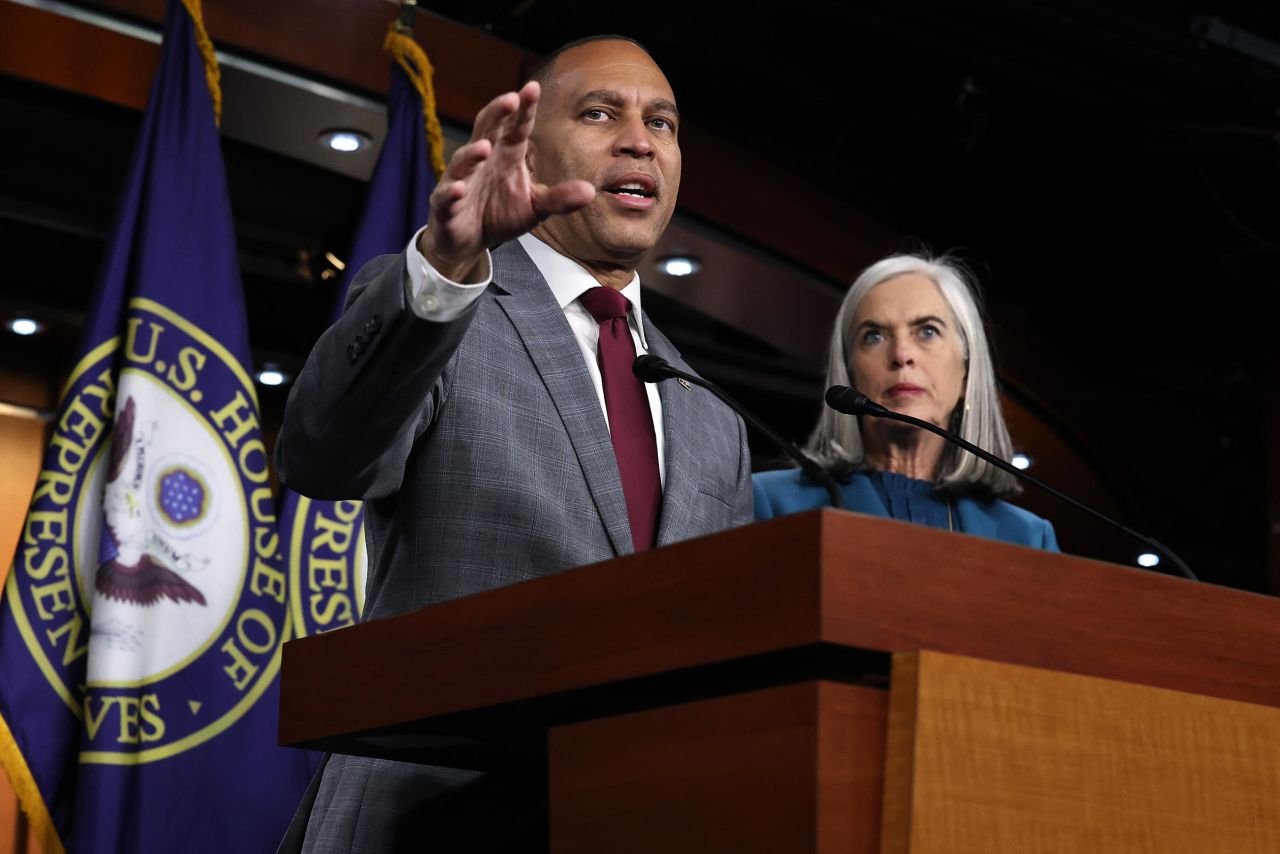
{"x": 404, "y": 19}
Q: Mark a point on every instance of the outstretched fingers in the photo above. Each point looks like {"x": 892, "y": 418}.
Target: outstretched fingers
{"x": 467, "y": 158}
{"x": 454, "y": 184}
{"x": 490, "y": 120}
{"x": 518, "y": 128}
{"x": 562, "y": 198}
{"x": 445, "y": 201}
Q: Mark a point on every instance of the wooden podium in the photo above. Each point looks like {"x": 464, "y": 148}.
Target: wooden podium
{"x": 832, "y": 682}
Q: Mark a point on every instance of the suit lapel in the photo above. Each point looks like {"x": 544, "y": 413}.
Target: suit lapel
{"x": 547, "y": 336}
{"x": 683, "y": 466}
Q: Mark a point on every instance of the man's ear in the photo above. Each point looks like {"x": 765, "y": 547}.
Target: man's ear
{"x": 528, "y": 157}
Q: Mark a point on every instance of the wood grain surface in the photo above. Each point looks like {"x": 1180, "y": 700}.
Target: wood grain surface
{"x": 789, "y": 769}
{"x": 994, "y": 758}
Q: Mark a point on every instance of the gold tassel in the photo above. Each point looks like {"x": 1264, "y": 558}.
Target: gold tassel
{"x": 414, "y": 61}
{"x": 24, "y": 784}
{"x": 212, "y": 74}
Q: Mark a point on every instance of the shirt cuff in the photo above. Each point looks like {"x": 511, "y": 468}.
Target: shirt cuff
{"x": 432, "y": 296}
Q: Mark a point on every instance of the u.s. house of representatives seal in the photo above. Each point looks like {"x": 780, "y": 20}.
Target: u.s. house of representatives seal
{"x": 327, "y": 564}
{"x": 148, "y": 583}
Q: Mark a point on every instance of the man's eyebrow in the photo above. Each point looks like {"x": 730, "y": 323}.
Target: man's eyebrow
{"x": 662, "y": 105}
{"x": 600, "y": 96}
{"x": 612, "y": 98}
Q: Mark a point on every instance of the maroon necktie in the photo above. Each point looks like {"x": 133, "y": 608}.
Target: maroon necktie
{"x": 630, "y": 419}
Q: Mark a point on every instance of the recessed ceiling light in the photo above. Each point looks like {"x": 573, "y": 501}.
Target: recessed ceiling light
{"x": 24, "y": 326}
{"x": 679, "y": 265}
{"x": 1021, "y": 461}
{"x": 1148, "y": 559}
{"x": 272, "y": 375}
{"x": 345, "y": 140}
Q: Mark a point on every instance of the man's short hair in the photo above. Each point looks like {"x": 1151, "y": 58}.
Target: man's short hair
{"x": 543, "y": 72}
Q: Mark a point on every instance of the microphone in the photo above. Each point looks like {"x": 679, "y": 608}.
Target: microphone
{"x": 850, "y": 401}
{"x": 655, "y": 369}
{"x": 652, "y": 369}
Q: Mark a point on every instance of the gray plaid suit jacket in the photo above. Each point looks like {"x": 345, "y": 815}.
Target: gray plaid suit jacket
{"x": 483, "y": 456}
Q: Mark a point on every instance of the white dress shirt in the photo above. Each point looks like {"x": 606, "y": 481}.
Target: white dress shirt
{"x": 435, "y": 298}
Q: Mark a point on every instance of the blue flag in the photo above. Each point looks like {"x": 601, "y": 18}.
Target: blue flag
{"x": 324, "y": 539}
{"x": 142, "y": 620}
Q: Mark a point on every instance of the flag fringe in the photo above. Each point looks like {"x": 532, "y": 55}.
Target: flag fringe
{"x": 414, "y": 61}
{"x": 29, "y": 797}
{"x": 212, "y": 73}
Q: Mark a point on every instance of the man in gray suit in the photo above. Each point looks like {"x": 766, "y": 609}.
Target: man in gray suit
{"x": 481, "y": 403}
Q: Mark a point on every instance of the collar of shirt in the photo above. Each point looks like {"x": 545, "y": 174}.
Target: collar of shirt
{"x": 569, "y": 280}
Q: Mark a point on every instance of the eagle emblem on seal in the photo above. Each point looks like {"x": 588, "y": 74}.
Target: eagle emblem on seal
{"x": 145, "y": 579}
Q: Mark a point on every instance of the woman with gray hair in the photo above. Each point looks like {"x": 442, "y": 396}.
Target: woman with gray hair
{"x": 910, "y": 336}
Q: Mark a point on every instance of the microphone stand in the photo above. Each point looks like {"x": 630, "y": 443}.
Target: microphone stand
{"x": 655, "y": 369}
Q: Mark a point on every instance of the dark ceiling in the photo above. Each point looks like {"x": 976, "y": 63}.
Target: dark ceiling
{"x": 1110, "y": 170}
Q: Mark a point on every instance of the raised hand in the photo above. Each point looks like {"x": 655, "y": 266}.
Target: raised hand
{"x": 486, "y": 195}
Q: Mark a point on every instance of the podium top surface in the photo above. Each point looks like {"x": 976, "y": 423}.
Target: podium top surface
{"x": 815, "y": 583}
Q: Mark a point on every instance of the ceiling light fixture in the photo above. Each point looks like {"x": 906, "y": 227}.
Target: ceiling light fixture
{"x": 345, "y": 140}
{"x": 1148, "y": 559}
{"x": 679, "y": 265}
{"x": 271, "y": 375}
{"x": 1021, "y": 461}
{"x": 24, "y": 326}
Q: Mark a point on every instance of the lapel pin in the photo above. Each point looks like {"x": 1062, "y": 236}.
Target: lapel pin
{"x": 683, "y": 382}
